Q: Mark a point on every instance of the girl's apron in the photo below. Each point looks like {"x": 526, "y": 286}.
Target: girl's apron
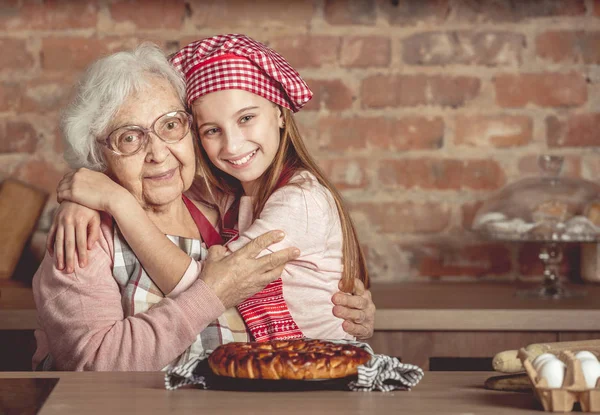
{"x": 266, "y": 313}
{"x": 139, "y": 293}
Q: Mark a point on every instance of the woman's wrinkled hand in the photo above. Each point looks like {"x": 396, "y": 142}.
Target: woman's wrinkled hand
{"x": 238, "y": 276}
{"x": 356, "y": 309}
{"x": 74, "y": 227}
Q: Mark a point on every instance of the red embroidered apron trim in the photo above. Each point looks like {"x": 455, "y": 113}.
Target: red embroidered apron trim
{"x": 266, "y": 313}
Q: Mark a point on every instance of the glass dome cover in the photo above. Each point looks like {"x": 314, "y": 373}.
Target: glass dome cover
{"x": 543, "y": 208}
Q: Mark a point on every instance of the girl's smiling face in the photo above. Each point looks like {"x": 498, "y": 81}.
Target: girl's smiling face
{"x": 239, "y": 132}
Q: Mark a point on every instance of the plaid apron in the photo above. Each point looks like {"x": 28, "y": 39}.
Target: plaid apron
{"x": 266, "y": 313}
{"x": 139, "y": 293}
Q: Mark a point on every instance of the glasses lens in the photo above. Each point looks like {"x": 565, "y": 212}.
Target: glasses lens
{"x": 127, "y": 140}
{"x": 172, "y": 126}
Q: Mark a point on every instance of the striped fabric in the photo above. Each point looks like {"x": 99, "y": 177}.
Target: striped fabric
{"x": 381, "y": 373}
{"x": 139, "y": 293}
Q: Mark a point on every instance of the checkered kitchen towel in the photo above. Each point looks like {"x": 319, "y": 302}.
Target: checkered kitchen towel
{"x": 382, "y": 373}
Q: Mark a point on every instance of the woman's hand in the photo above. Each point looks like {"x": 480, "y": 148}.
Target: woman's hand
{"x": 357, "y": 310}
{"x": 240, "y": 275}
{"x": 90, "y": 188}
{"x": 74, "y": 227}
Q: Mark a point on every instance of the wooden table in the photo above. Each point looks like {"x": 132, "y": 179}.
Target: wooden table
{"x": 143, "y": 392}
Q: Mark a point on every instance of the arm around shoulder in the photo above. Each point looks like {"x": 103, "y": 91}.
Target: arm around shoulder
{"x": 82, "y": 316}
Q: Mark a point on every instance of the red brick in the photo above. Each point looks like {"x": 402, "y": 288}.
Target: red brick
{"x": 381, "y": 91}
{"x": 346, "y": 173}
{"x": 541, "y": 89}
{"x": 529, "y": 165}
{"x": 393, "y": 134}
{"x": 18, "y": 137}
{"x": 48, "y": 15}
{"x": 411, "y": 13}
{"x": 514, "y": 11}
{"x": 19, "y": 57}
{"x": 464, "y": 47}
{"x": 149, "y": 14}
{"x": 579, "y": 130}
{"x": 332, "y": 94}
{"x": 456, "y": 259}
{"x": 568, "y": 46}
{"x": 47, "y": 93}
{"x": 357, "y": 12}
{"x": 10, "y": 96}
{"x": 530, "y": 265}
{"x": 75, "y": 53}
{"x": 493, "y": 130}
{"x": 251, "y": 14}
{"x": 365, "y": 52}
{"x": 441, "y": 174}
{"x": 307, "y": 51}
{"x": 404, "y": 217}
{"x": 42, "y": 174}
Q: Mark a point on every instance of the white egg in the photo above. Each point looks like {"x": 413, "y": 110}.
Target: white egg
{"x": 553, "y": 370}
{"x": 591, "y": 372}
{"x": 538, "y": 361}
{"x": 584, "y": 355}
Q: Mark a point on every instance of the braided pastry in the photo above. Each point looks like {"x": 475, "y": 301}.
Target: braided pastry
{"x": 287, "y": 359}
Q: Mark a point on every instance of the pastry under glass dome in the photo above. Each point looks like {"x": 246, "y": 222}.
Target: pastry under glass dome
{"x": 549, "y": 209}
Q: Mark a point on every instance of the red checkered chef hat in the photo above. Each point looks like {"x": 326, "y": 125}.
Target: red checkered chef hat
{"x": 238, "y": 62}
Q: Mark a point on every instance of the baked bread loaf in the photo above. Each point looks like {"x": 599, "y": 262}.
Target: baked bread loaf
{"x": 287, "y": 359}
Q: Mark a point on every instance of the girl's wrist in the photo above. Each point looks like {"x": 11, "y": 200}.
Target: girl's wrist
{"x": 121, "y": 202}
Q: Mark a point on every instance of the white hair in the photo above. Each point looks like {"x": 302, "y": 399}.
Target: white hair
{"x": 100, "y": 94}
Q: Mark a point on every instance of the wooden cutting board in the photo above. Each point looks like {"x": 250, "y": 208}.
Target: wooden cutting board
{"x": 20, "y": 208}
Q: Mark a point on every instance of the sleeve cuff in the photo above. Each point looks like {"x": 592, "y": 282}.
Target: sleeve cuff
{"x": 190, "y": 275}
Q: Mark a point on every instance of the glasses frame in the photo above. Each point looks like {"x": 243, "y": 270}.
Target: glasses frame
{"x": 106, "y": 142}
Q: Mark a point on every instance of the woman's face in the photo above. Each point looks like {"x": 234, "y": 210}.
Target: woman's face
{"x": 159, "y": 173}
{"x": 239, "y": 131}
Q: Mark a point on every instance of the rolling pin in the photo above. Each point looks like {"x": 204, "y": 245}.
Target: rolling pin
{"x": 509, "y": 362}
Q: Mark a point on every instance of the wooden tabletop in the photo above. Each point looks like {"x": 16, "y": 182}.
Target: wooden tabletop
{"x": 143, "y": 392}
{"x": 426, "y": 306}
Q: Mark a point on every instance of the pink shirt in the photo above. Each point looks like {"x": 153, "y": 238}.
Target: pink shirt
{"x": 83, "y": 325}
{"x": 306, "y": 212}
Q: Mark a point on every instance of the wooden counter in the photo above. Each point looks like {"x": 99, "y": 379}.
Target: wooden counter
{"x": 423, "y": 321}
{"x": 143, "y": 392}
{"x": 416, "y": 306}
{"x": 481, "y": 306}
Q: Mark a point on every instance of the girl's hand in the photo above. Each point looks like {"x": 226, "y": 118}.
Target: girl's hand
{"x": 90, "y": 188}
{"x": 357, "y": 310}
{"x": 74, "y": 226}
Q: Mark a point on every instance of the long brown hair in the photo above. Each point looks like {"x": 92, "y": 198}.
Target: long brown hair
{"x": 292, "y": 156}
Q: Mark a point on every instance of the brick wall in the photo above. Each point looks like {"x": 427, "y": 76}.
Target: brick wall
{"x": 422, "y": 109}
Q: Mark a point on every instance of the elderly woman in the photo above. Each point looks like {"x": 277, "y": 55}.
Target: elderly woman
{"x": 130, "y": 122}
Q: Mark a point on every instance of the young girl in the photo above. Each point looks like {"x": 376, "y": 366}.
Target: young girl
{"x": 258, "y": 173}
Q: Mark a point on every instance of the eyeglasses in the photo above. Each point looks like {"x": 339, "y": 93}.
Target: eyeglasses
{"x": 129, "y": 140}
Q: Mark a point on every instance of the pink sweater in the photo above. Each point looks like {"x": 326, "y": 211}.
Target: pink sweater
{"x": 306, "y": 211}
{"x": 83, "y": 325}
